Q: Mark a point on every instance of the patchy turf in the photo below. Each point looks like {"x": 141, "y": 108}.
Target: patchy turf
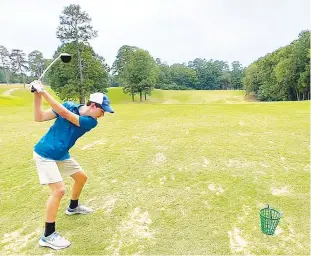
{"x": 167, "y": 179}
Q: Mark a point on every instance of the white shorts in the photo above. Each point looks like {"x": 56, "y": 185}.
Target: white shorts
{"x": 49, "y": 171}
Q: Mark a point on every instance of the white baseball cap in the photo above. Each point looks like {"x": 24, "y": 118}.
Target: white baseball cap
{"x": 103, "y": 100}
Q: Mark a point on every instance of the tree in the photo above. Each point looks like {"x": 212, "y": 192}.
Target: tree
{"x": 200, "y": 67}
{"x": 164, "y": 78}
{"x": 139, "y": 74}
{"x": 300, "y": 58}
{"x": 221, "y": 71}
{"x": 251, "y": 79}
{"x": 225, "y": 80}
{"x": 304, "y": 84}
{"x": 283, "y": 74}
{"x": 19, "y": 63}
{"x": 236, "y": 75}
{"x": 123, "y": 56}
{"x": 210, "y": 73}
{"x": 304, "y": 80}
{"x": 75, "y": 27}
{"x": 5, "y": 62}
{"x": 103, "y": 62}
{"x": 183, "y": 76}
{"x": 2, "y": 76}
{"x": 36, "y": 63}
{"x": 64, "y": 77}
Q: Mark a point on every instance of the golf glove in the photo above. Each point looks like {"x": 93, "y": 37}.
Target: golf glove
{"x": 36, "y": 86}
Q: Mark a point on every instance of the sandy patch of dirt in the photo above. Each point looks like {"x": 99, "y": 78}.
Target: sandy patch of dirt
{"x": 15, "y": 241}
{"x": 105, "y": 203}
{"x": 159, "y": 158}
{"x": 98, "y": 142}
{"x": 9, "y": 92}
{"x": 131, "y": 231}
{"x": 234, "y": 163}
{"x": 216, "y": 189}
{"x": 237, "y": 243}
{"x": 279, "y": 191}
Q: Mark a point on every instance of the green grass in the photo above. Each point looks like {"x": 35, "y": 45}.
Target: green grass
{"x": 180, "y": 97}
{"x": 167, "y": 179}
{"x": 19, "y": 97}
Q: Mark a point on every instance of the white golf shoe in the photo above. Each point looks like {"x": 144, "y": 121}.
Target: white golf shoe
{"x": 54, "y": 241}
{"x": 80, "y": 209}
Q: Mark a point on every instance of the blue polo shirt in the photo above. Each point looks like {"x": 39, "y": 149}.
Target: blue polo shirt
{"x": 63, "y": 134}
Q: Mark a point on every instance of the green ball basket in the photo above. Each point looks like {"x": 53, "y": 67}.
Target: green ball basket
{"x": 269, "y": 219}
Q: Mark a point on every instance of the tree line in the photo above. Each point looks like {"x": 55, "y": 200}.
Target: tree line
{"x": 134, "y": 69}
{"x": 281, "y": 75}
{"x": 139, "y": 73}
{"x": 15, "y": 65}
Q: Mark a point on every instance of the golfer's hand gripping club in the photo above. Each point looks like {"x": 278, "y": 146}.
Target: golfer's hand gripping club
{"x": 35, "y": 83}
{"x": 32, "y": 88}
{"x": 36, "y": 86}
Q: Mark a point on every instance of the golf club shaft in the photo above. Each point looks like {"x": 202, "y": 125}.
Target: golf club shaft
{"x": 42, "y": 75}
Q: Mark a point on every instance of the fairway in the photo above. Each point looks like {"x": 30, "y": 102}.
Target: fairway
{"x": 184, "y": 173}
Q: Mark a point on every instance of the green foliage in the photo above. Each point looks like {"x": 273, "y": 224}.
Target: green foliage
{"x": 183, "y": 76}
{"x": 18, "y": 62}
{"x": 4, "y": 57}
{"x": 75, "y": 25}
{"x": 139, "y": 74}
{"x": 204, "y": 72}
{"x": 64, "y": 77}
{"x": 251, "y": 79}
{"x": 123, "y": 56}
{"x": 200, "y": 74}
{"x": 36, "y": 63}
{"x": 283, "y": 74}
{"x": 173, "y": 86}
{"x": 211, "y": 75}
{"x": 164, "y": 77}
{"x": 4, "y": 63}
{"x": 17, "y": 69}
{"x": 236, "y": 75}
{"x": 2, "y": 76}
{"x": 103, "y": 62}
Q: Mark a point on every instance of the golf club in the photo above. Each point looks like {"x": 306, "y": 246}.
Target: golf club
{"x": 65, "y": 57}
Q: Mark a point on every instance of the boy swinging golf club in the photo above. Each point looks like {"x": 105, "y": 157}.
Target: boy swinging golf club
{"x": 52, "y": 157}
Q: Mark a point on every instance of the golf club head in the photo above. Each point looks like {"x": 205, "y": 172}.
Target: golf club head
{"x": 65, "y": 57}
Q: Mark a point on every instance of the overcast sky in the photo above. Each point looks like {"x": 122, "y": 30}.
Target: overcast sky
{"x": 174, "y": 30}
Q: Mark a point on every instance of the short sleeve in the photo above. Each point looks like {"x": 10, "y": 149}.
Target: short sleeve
{"x": 65, "y": 104}
{"x": 87, "y": 122}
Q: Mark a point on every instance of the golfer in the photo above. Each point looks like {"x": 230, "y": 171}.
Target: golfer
{"x": 52, "y": 157}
